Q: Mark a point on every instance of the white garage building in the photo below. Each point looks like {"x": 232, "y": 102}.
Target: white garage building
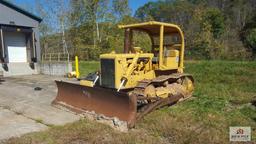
{"x": 19, "y": 40}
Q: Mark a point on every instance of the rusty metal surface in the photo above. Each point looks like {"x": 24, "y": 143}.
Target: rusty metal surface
{"x": 172, "y": 99}
{"x": 100, "y": 100}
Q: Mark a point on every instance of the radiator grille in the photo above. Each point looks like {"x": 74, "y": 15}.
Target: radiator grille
{"x": 108, "y": 72}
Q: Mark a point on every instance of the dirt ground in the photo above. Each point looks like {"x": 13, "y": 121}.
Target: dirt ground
{"x": 25, "y": 105}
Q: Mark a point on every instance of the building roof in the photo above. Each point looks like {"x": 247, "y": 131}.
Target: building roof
{"x": 21, "y": 10}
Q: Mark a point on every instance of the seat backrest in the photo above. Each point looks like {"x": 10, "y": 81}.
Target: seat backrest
{"x": 171, "y": 53}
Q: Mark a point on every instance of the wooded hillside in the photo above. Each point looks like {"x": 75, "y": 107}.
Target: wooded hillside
{"x": 219, "y": 29}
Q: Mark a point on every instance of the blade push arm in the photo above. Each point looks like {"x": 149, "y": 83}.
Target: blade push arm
{"x": 129, "y": 71}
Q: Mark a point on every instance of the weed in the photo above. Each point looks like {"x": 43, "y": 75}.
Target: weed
{"x": 223, "y": 90}
{"x": 39, "y": 120}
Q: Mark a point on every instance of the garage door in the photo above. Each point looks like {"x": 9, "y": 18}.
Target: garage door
{"x": 16, "y": 46}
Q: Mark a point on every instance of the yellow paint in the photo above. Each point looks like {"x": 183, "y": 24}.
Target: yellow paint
{"x": 181, "y": 64}
{"x": 86, "y": 83}
{"x": 171, "y": 59}
{"x": 188, "y": 85}
{"x": 131, "y": 66}
{"x": 72, "y": 74}
{"x": 161, "y": 47}
{"x": 128, "y": 65}
{"x": 162, "y": 26}
{"x": 162, "y": 92}
{"x": 149, "y": 23}
{"x": 77, "y": 67}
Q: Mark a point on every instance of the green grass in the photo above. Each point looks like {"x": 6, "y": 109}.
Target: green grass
{"x": 223, "y": 91}
{"x": 86, "y": 67}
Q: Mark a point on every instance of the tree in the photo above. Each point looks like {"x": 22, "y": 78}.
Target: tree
{"x": 215, "y": 19}
{"x": 213, "y": 29}
{"x": 121, "y": 8}
{"x": 250, "y": 41}
{"x": 44, "y": 27}
{"x": 147, "y": 12}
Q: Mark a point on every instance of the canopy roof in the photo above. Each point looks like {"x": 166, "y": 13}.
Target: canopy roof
{"x": 153, "y": 27}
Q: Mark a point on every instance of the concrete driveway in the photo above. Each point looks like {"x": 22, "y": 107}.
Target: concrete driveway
{"x": 24, "y": 109}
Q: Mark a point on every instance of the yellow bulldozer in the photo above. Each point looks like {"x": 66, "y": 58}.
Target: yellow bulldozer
{"x": 131, "y": 84}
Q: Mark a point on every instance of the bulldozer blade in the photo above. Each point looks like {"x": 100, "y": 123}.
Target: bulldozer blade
{"x": 110, "y": 103}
